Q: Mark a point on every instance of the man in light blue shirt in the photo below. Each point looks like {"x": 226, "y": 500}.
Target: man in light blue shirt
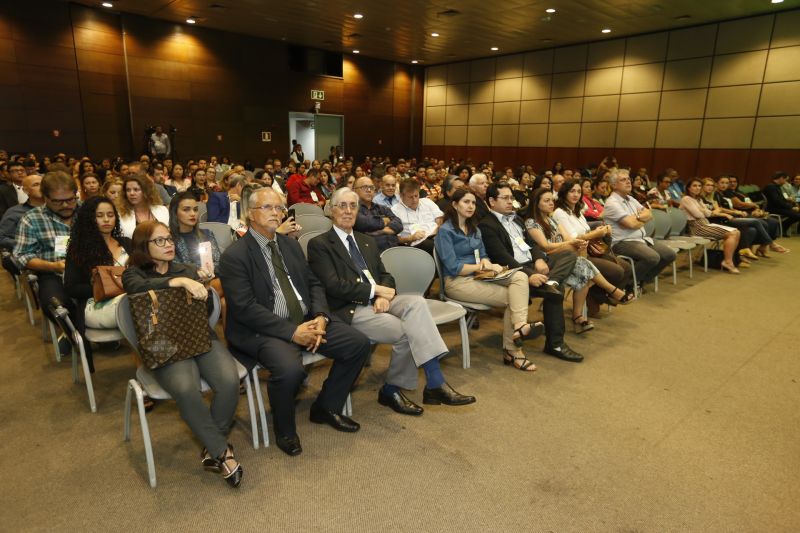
{"x": 388, "y": 194}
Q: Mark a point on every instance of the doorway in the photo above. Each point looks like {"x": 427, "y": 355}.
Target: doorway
{"x": 316, "y": 133}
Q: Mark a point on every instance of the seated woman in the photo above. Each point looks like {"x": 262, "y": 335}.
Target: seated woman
{"x": 199, "y": 187}
{"x": 184, "y": 216}
{"x": 601, "y": 190}
{"x": 177, "y": 179}
{"x": 591, "y": 208}
{"x": 522, "y": 190}
{"x": 138, "y": 203}
{"x": 326, "y": 184}
{"x": 461, "y": 253}
{"x": 638, "y": 190}
{"x": 697, "y": 213}
{"x": 90, "y": 185}
{"x": 111, "y": 189}
{"x": 574, "y": 226}
{"x": 549, "y": 236}
{"x": 151, "y": 267}
{"x": 543, "y": 181}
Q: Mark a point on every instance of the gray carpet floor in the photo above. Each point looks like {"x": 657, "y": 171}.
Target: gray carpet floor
{"x": 684, "y": 417}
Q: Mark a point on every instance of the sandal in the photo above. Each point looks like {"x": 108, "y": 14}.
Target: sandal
{"x": 208, "y": 462}
{"x": 581, "y": 324}
{"x": 230, "y": 468}
{"x": 535, "y": 329}
{"x": 511, "y": 359}
{"x": 627, "y": 296}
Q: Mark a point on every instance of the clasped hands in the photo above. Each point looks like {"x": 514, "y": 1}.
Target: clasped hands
{"x": 383, "y": 298}
{"x": 311, "y": 334}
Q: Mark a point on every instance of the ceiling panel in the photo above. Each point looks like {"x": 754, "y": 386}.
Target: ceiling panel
{"x": 401, "y": 31}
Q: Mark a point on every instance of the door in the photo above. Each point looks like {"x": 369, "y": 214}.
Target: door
{"x": 328, "y": 132}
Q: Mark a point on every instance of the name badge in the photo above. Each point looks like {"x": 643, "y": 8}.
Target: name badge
{"x": 477, "y": 256}
{"x": 206, "y": 257}
{"x": 314, "y": 196}
{"x": 369, "y": 277}
{"x": 61, "y": 245}
{"x": 522, "y": 244}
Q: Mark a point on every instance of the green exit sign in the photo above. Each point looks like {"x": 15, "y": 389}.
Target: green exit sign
{"x": 317, "y": 95}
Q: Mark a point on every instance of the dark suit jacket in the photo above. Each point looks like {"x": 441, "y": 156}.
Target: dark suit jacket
{"x": 8, "y": 197}
{"x": 776, "y": 203}
{"x": 219, "y": 207}
{"x": 334, "y": 267}
{"x": 250, "y": 296}
{"x": 498, "y": 244}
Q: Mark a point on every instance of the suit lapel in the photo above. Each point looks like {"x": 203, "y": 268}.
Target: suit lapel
{"x": 258, "y": 258}
{"x": 341, "y": 251}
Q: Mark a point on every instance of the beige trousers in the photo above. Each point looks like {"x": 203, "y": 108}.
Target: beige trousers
{"x": 512, "y": 294}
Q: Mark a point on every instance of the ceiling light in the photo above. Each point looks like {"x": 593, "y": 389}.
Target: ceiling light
{"x": 356, "y": 51}
{"x": 550, "y": 10}
{"x": 434, "y": 34}
{"x": 414, "y": 61}
{"x": 605, "y": 30}
{"x": 358, "y": 16}
{"x": 777, "y": 1}
{"x": 107, "y": 4}
{"x": 494, "y": 49}
{"x": 191, "y": 20}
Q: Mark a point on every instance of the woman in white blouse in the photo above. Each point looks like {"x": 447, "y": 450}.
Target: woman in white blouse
{"x": 138, "y": 202}
{"x": 178, "y": 180}
{"x": 697, "y": 213}
{"x": 569, "y": 217}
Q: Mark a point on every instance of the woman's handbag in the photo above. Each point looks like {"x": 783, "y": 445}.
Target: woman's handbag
{"x": 171, "y": 326}
{"x": 597, "y": 248}
{"x": 107, "y": 282}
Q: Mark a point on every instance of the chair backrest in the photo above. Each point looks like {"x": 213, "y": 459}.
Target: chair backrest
{"x": 203, "y": 217}
{"x": 305, "y": 237}
{"x": 202, "y": 209}
{"x": 222, "y": 232}
{"x": 650, "y": 227}
{"x": 411, "y": 268}
{"x": 307, "y": 209}
{"x": 442, "y": 295}
{"x": 663, "y": 223}
{"x": 314, "y": 223}
{"x": 678, "y": 221}
{"x": 128, "y": 330}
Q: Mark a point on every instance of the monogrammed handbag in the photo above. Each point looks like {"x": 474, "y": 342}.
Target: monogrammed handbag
{"x": 171, "y": 326}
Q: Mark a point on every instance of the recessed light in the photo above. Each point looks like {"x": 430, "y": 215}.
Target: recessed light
{"x": 191, "y": 20}
{"x": 494, "y": 49}
{"x": 777, "y": 1}
{"x": 356, "y": 51}
{"x": 414, "y": 61}
{"x": 358, "y": 16}
{"x": 605, "y": 30}
{"x": 434, "y": 34}
{"x": 107, "y": 4}
{"x": 550, "y": 10}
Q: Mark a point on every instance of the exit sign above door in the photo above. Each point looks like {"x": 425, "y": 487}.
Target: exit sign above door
{"x": 317, "y": 95}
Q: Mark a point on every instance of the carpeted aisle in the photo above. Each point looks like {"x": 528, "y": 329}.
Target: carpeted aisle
{"x": 684, "y": 417}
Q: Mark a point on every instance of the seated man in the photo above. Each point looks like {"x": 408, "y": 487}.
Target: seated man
{"x": 778, "y": 204}
{"x": 478, "y": 184}
{"x": 627, "y": 219}
{"x": 362, "y": 294}
{"x": 41, "y": 241}
{"x": 277, "y": 309}
{"x": 507, "y": 243}
{"x": 10, "y": 220}
{"x": 388, "y": 194}
{"x": 226, "y": 207}
{"x": 305, "y": 190}
{"x": 375, "y": 220}
{"x": 420, "y": 217}
{"x": 11, "y": 192}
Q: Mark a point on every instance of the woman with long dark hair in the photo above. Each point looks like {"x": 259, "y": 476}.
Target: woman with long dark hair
{"x": 152, "y": 268}
{"x": 184, "y": 218}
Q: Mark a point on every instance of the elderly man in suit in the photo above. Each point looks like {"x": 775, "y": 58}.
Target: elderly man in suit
{"x": 277, "y": 309}
{"x": 507, "y": 243}
{"x": 362, "y": 294}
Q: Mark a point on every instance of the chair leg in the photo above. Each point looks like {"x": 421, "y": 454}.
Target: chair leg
{"x": 253, "y": 422}
{"x": 87, "y": 375}
{"x": 53, "y": 337}
{"x": 261, "y": 411}
{"x": 691, "y": 266}
{"x": 29, "y": 307}
{"x": 674, "y": 273}
{"x": 133, "y": 386}
{"x": 705, "y": 258}
{"x": 17, "y": 288}
{"x": 465, "y": 354}
{"x": 655, "y": 283}
{"x": 348, "y": 406}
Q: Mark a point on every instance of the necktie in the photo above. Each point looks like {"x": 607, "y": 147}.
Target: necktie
{"x": 292, "y": 303}
{"x": 358, "y": 259}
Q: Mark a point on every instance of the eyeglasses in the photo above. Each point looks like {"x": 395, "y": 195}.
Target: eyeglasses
{"x": 161, "y": 242}
{"x": 623, "y": 179}
{"x": 505, "y": 198}
{"x": 368, "y": 188}
{"x": 268, "y": 207}
{"x": 65, "y": 201}
{"x": 344, "y": 206}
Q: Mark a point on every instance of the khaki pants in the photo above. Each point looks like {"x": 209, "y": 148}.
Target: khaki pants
{"x": 511, "y": 294}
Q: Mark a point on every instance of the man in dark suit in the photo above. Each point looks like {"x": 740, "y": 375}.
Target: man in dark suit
{"x": 778, "y": 204}
{"x": 277, "y": 309}
{"x": 507, "y": 243}
{"x": 220, "y": 204}
{"x": 11, "y": 192}
{"x": 362, "y": 294}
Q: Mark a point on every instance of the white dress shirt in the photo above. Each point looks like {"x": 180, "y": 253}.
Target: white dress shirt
{"x": 343, "y": 237}
{"x": 422, "y": 218}
{"x": 522, "y": 252}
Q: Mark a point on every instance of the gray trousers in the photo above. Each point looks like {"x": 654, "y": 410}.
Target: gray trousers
{"x": 182, "y": 381}
{"x": 648, "y": 260}
{"x": 408, "y": 326}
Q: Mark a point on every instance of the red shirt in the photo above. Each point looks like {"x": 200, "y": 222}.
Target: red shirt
{"x": 298, "y": 192}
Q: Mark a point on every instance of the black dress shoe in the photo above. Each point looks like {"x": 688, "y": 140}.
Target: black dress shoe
{"x": 338, "y": 422}
{"x": 446, "y": 395}
{"x": 289, "y": 445}
{"x": 564, "y": 352}
{"x": 549, "y": 292}
{"x": 399, "y": 402}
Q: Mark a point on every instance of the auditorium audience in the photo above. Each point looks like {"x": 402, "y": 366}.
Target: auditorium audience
{"x": 375, "y": 220}
{"x": 9, "y": 222}
{"x": 152, "y": 267}
{"x": 90, "y": 185}
{"x": 138, "y": 203}
{"x": 225, "y": 207}
{"x": 420, "y": 217}
{"x": 177, "y": 179}
{"x": 779, "y": 205}
{"x": 190, "y": 240}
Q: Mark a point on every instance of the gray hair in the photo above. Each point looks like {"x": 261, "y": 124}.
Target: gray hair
{"x": 244, "y": 205}
{"x": 249, "y": 199}
{"x": 615, "y": 174}
{"x": 338, "y": 193}
{"x": 235, "y": 180}
{"x": 475, "y": 177}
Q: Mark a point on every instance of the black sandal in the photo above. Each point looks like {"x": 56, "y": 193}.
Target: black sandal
{"x": 581, "y": 324}
{"x": 525, "y": 365}
{"x": 208, "y": 462}
{"x": 535, "y": 329}
{"x": 233, "y": 476}
{"x": 627, "y": 297}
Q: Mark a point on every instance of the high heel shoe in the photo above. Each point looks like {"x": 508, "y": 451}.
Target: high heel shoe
{"x": 761, "y": 253}
{"x": 779, "y": 249}
{"x": 511, "y": 359}
{"x": 230, "y": 468}
{"x": 535, "y": 329}
{"x": 208, "y": 462}
{"x": 747, "y": 253}
{"x": 627, "y": 296}
{"x": 581, "y": 325}
{"x": 730, "y": 268}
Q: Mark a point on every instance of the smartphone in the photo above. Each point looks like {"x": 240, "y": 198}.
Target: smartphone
{"x": 291, "y": 214}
